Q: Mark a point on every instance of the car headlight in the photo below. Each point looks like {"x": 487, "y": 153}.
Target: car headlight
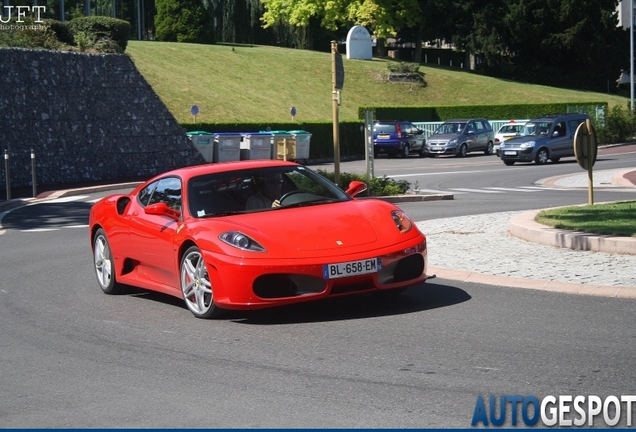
{"x": 241, "y": 241}
{"x": 402, "y": 221}
{"x": 452, "y": 142}
{"x": 526, "y": 145}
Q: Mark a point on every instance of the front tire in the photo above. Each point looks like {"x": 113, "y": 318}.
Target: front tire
{"x": 104, "y": 264}
{"x": 406, "y": 151}
{"x": 509, "y": 162}
{"x": 542, "y": 156}
{"x": 463, "y": 151}
{"x": 196, "y": 286}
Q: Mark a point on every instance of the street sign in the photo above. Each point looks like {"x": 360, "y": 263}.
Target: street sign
{"x": 585, "y": 147}
{"x": 585, "y": 150}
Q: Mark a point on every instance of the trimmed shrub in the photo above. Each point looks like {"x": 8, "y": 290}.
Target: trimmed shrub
{"x": 96, "y": 28}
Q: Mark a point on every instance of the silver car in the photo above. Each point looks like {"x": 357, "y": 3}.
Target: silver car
{"x": 461, "y": 136}
{"x": 550, "y": 137}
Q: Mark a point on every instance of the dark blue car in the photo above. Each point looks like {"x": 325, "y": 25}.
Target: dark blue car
{"x": 393, "y": 137}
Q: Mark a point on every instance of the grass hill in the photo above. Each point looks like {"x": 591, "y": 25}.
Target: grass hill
{"x": 262, "y": 83}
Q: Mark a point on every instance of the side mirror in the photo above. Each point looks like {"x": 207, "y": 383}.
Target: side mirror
{"x": 162, "y": 209}
{"x": 356, "y": 187}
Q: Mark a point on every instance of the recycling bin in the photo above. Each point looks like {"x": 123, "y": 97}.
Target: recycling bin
{"x": 256, "y": 145}
{"x": 204, "y": 142}
{"x": 284, "y": 145}
{"x": 303, "y": 139}
{"x": 227, "y": 147}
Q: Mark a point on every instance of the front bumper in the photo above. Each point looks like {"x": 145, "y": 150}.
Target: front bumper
{"x": 261, "y": 282}
{"x": 440, "y": 149}
{"x": 517, "y": 154}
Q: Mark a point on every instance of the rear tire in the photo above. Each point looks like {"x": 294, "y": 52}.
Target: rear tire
{"x": 104, "y": 264}
{"x": 489, "y": 148}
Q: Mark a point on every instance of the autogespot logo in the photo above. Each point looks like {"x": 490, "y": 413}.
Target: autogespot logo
{"x": 562, "y": 411}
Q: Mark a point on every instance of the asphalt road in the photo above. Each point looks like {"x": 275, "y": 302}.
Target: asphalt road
{"x": 71, "y": 356}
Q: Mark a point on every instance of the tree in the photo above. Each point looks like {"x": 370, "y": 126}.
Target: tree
{"x": 183, "y": 21}
{"x": 379, "y": 15}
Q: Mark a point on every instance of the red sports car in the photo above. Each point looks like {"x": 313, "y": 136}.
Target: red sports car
{"x": 252, "y": 234}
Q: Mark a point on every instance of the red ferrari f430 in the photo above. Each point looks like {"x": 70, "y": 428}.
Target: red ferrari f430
{"x": 252, "y": 234}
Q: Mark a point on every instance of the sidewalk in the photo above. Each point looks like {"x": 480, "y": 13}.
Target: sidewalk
{"x": 509, "y": 249}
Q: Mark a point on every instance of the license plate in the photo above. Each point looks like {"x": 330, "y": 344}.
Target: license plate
{"x": 351, "y": 268}
{"x": 436, "y": 147}
{"x": 384, "y": 136}
{"x": 510, "y": 153}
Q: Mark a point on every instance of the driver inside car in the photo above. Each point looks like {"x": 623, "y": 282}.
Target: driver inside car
{"x": 268, "y": 193}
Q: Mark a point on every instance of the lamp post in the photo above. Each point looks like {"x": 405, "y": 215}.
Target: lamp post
{"x": 631, "y": 54}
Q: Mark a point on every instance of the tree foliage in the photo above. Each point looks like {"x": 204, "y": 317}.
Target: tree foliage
{"x": 568, "y": 43}
{"x": 183, "y": 21}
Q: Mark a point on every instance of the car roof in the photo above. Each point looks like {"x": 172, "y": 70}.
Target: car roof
{"x": 551, "y": 117}
{"x": 464, "y": 120}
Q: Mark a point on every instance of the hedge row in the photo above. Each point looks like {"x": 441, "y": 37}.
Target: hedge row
{"x": 490, "y": 112}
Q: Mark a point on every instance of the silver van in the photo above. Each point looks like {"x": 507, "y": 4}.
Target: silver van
{"x": 461, "y": 136}
{"x": 550, "y": 137}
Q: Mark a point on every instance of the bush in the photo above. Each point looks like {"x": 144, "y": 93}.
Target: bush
{"x": 403, "y": 67}
{"x": 380, "y": 186}
{"x": 620, "y": 124}
{"x": 29, "y": 34}
{"x": 96, "y": 28}
{"x": 61, "y": 30}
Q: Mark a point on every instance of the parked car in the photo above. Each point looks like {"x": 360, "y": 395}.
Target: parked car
{"x": 215, "y": 236}
{"x": 505, "y": 132}
{"x": 550, "y": 137}
{"x": 461, "y": 136}
{"x": 394, "y": 137}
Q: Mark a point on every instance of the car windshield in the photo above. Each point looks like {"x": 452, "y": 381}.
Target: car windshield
{"x": 510, "y": 129}
{"x": 536, "y": 128}
{"x": 450, "y": 128}
{"x": 269, "y": 188}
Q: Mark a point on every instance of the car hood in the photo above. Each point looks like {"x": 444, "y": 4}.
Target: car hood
{"x": 516, "y": 141}
{"x": 323, "y": 227}
{"x": 322, "y": 230}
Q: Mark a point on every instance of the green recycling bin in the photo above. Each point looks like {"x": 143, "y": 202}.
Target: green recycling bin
{"x": 204, "y": 142}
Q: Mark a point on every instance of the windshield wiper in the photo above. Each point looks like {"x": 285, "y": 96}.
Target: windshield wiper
{"x": 221, "y": 213}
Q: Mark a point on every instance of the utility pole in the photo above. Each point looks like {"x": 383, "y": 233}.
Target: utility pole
{"x": 337, "y": 81}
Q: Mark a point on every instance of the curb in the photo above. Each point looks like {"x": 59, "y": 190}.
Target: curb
{"x": 535, "y": 284}
{"x": 524, "y": 227}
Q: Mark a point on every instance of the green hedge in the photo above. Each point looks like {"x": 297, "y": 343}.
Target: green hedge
{"x": 490, "y": 112}
{"x": 101, "y": 27}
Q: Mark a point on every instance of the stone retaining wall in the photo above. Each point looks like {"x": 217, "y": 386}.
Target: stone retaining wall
{"x": 87, "y": 117}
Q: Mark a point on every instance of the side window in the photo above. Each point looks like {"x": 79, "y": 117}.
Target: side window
{"x": 471, "y": 127}
{"x": 573, "y": 125}
{"x": 480, "y": 126}
{"x": 168, "y": 191}
{"x": 146, "y": 193}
